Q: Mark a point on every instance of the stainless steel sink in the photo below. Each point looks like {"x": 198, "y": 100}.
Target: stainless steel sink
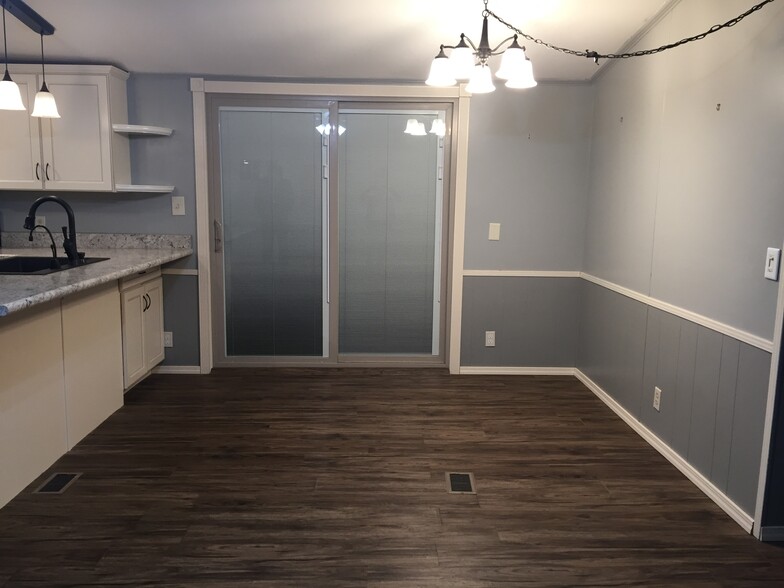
{"x": 39, "y": 266}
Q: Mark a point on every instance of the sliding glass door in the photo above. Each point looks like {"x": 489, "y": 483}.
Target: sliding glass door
{"x": 390, "y": 211}
{"x": 300, "y": 277}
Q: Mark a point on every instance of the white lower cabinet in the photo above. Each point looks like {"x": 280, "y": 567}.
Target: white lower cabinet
{"x": 60, "y": 377}
{"x": 142, "y": 317}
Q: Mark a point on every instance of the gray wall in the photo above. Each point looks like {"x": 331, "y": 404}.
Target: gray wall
{"x": 534, "y": 320}
{"x": 684, "y": 200}
{"x": 153, "y": 100}
{"x": 528, "y": 156}
{"x": 528, "y": 160}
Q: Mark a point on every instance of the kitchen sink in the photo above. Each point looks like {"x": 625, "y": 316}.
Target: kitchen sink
{"x": 39, "y": 266}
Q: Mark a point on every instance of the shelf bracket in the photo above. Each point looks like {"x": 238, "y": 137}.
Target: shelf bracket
{"x": 27, "y": 16}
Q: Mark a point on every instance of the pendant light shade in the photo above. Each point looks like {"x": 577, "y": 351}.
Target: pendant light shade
{"x": 10, "y": 96}
{"x": 44, "y": 106}
{"x": 481, "y": 80}
{"x": 441, "y": 71}
{"x": 462, "y": 60}
{"x": 523, "y": 76}
{"x": 512, "y": 61}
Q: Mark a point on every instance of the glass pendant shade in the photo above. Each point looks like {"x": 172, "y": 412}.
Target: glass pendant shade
{"x": 45, "y": 106}
{"x": 481, "y": 80}
{"x": 523, "y": 78}
{"x": 462, "y": 61}
{"x": 441, "y": 71}
{"x": 10, "y": 96}
{"x": 438, "y": 127}
{"x": 512, "y": 63}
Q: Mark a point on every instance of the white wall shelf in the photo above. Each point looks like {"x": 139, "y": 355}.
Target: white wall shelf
{"x": 142, "y": 130}
{"x": 144, "y": 188}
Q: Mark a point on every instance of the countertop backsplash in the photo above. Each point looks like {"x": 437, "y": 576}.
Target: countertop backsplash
{"x": 19, "y": 240}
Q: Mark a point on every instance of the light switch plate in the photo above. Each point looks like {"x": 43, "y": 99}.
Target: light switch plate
{"x": 178, "y": 205}
{"x": 772, "y": 263}
{"x": 494, "y": 232}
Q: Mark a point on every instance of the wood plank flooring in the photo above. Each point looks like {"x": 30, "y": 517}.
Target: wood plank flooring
{"x": 262, "y": 478}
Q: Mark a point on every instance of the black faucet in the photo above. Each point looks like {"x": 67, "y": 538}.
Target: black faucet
{"x": 69, "y": 235}
{"x": 53, "y": 247}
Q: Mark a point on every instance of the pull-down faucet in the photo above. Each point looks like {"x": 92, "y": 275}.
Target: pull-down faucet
{"x": 69, "y": 234}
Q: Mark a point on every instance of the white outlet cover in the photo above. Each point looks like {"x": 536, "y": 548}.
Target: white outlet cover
{"x": 772, "y": 260}
{"x": 168, "y": 339}
{"x": 494, "y": 232}
{"x": 489, "y": 338}
{"x": 657, "y": 398}
{"x": 178, "y": 205}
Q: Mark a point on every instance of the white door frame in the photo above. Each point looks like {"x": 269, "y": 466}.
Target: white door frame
{"x": 201, "y": 87}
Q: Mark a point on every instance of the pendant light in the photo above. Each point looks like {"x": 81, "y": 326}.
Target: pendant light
{"x": 45, "y": 106}
{"x": 10, "y": 96}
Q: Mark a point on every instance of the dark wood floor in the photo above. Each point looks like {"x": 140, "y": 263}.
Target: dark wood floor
{"x": 336, "y": 478}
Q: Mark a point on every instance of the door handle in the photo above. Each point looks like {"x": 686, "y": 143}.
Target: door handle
{"x": 46, "y": 172}
{"x": 218, "y": 236}
{"x": 38, "y": 170}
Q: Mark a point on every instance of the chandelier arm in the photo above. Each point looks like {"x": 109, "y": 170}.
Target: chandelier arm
{"x": 470, "y": 42}
{"x": 597, "y": 56}
{"x": 495, "y": 50}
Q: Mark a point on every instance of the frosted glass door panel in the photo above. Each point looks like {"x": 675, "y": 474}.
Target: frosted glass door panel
{"x": 388, "y": 209}
{"x": 272, "y": 187}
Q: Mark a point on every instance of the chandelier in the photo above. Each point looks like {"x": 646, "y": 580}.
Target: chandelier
{"x": 468, "y": 61}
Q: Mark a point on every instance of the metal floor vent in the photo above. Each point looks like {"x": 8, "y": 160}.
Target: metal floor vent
{"x": 460, "y": 483}
{"x": 57, "y": 483}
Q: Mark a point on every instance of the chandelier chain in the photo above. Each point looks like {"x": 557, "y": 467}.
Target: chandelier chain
{"x": 597, "y": 56}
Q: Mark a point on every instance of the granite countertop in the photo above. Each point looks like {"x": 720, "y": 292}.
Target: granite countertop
{"x": 18, "y": 292}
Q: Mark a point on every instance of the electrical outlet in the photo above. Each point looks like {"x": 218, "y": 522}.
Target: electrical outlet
{"x": 40, "y": 220}
{"x": 178, "y": 205}
{"x": 489, "y": 338}
{"x": 168, "y": 339}
{"x": 494, "y": 232}
{"x": 657, "y": 398}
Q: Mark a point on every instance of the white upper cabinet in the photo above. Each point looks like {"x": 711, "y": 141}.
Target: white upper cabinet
{"x": 77, "y": 152}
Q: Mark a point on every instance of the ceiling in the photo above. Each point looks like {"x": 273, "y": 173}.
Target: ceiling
{"x": 392, "y": 40}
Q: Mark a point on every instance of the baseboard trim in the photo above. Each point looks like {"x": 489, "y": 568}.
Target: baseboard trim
{"x": 177, "y": 369}
{"x": 771, "y": 534}
{"x": 515, "y": 371}
{"x": 474, "y": 273}
{"x": 711, "y": 491}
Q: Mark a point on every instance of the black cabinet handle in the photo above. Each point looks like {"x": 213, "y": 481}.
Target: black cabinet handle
{"x": 38, "y": 170}
{"x": 47, "y": 172}
{"x": 147, "y": 302}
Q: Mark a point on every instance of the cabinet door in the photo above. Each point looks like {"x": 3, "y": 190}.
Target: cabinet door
{"x": 134, "y": 364}
{"x": 20, "y": 142}
{"x": 77, "y": 146}
{"x": 92, "y": 352}
{"x": 153, "y": 324}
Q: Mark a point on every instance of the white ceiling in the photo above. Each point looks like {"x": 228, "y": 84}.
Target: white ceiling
{"x": 318, "y": 39}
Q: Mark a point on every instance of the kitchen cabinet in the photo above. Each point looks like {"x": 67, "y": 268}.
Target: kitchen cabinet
{"x": 61, "y": 369}
{"x": 77, "y": 152}
{"x": 92, "y": 356}
{"x": 142, "y": 318}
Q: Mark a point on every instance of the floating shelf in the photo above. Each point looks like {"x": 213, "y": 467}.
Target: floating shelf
{"x": 143, "y": 188}
{"x": 142, "y": 130}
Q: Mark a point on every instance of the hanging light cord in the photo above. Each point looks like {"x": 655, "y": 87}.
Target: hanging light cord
{"x": 597, "y": 56}
{"x": 5, "y": 41}
{"x": 43, "y": 66}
